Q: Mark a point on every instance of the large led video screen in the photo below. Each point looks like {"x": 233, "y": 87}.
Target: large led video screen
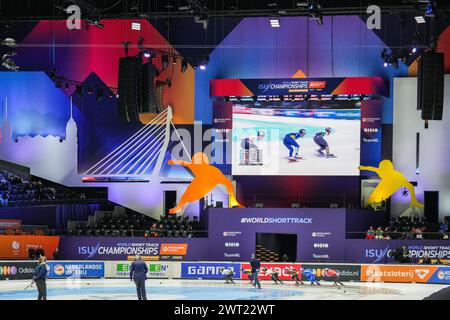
{"x": 322, "y": 140}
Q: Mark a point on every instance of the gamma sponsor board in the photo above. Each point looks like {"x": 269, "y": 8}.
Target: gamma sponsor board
{"x": 208, "y": 270}
{"x": 57, "y": 269}
{"x": 17, "y": 270}
{"x": 347, "y": 272}
{"x": 278, "y": 267}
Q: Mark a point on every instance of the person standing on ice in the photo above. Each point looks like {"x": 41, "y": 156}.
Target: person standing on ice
{"x": 138, "y": 273}
{"x": 40, "y": 276}
{"x": 256, "y": 266}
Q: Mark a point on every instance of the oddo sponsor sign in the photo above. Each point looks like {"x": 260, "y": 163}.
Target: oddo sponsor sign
{"x": 17, "y": 270}
{"x": 58, "y": 269}
{"x": 207, "y": 270}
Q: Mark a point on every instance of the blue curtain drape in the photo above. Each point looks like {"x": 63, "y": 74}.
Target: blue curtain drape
{"x": 75, "y": 212}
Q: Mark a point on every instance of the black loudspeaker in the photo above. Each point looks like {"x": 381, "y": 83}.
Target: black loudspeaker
{"x": 430, "y": 85}
{"x": 148, "y": 94}
{"x": 431, "y": 210}
{"x": 160, "y": 85}
{"x": 129, "y": 88}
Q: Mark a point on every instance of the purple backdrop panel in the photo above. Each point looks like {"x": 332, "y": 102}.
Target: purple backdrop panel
{"x": 377, "y": 251}
{"x": 320, "y": 232}
{"x": 119, "y": 248}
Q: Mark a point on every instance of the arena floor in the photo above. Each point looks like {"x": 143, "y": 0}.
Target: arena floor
{"x": 123, "y": 289}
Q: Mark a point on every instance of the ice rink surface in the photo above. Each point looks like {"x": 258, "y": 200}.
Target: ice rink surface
{"x": 123, "y": 289}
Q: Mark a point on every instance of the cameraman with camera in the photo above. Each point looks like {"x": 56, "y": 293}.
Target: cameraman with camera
{"x": 401, "y": 254}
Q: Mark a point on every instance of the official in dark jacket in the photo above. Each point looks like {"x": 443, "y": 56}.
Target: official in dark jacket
{"x": 40, "y": 276}
{"x": 138, "y": 273}
{"x": 256, "y": 266}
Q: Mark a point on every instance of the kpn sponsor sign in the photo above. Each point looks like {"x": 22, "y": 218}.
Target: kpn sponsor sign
{"x": 155, "y": 270}
{"x": 75, "y": 269}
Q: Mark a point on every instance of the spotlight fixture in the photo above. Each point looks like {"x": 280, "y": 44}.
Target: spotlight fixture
{"x": 306, "y": 98}
{"x": 95, "y": 22}
{"x": 9, "y": 63}
{"x": 429, "y": 10}
{"x": 99, "y": 93}
{"x": 141, "y": 43}
{"x": 90, "y": 90}
{"x": 420, "y": 19}
{"x": 67, "y": 87}
{"x": 174, "y": 60}
{"x": 9, "y": 42}
{"x": 362, "y": 97}
{"x": 255, "y": 99}
{"x": 274, "y": 22}
{"x": 281, "y": 97}
{"x": 239, "y": 99}
{"x": 349, "y": 97}
{"x": 136, "y": 26}
{"x": 58, "y": 84}
{"x": 147, "y": 54}
{"x": 165, "y": 61}
{"x": 227, "y": 99}
{"x": 79, "y": 90}
{"x": 202, "y": 67}
{"x": 126, "y": 45}
{"x": 184, "y": 66}
{"x": 315, "y": 12}
{"x": 267, "y": 98}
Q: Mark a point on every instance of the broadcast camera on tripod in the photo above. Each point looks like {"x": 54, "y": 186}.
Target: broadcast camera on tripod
{"x": 401, "y": 254}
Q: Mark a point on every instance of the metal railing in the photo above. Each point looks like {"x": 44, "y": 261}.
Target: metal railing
{"x": 401, "y": 235}
{"x": 25, "y": 230}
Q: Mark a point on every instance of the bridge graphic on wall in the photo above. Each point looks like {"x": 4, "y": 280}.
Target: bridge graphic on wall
{"x": 139, "y": 158}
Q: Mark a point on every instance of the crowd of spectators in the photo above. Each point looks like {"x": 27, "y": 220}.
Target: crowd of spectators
{"x": 15, "y": 190}
{"x": 408, "y": 229}
{"x": 171, "y": 226}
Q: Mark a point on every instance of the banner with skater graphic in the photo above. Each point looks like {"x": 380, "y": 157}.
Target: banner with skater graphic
{"x": 267, "y": 268}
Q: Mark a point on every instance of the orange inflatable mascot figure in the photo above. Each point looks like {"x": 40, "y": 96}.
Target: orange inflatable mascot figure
{"x": 206, "y": 178}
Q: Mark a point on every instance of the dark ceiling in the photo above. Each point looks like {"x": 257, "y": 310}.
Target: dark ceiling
{"x": 159, "y": 9}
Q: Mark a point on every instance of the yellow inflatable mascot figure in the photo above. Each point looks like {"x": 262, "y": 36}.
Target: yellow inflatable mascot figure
{"x": 391, "y": 181}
